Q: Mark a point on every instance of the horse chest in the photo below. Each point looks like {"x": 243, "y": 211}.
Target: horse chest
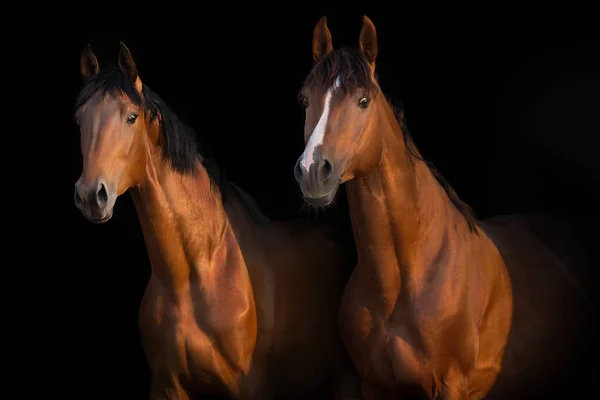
{"x": 167, "y": 331}
{"x": 177, "y": 347}
{"x": 386, "y": 352}
{"x": 402, "y": 349}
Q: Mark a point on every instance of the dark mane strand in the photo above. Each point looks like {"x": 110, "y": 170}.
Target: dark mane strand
{"x": 177, "y": 140}
{"x": 349, "y": 65}
{"x": 354, "y": 72}
{"x": 414, "y": 154}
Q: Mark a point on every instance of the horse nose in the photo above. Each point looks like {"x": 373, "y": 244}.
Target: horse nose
{"x": 299, "y": 171}
{"x": 95, "y": 196}
{"x": 324, "y": 170}
{"x": 101, "y": 196}
{"x": 78, "y": 197}
{"x": 321, "y": 170}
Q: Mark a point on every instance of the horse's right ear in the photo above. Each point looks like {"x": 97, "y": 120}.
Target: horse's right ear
{"x": 322, "y": 43}
{"x": 368, "y": 41}
{"x": 128, "y": 67}
{"x": 88, "y": 63}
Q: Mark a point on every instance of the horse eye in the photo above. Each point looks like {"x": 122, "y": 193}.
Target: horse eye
{"x": 131, "y": 119}
{"x": 304, "y": 101}
{"x": 363, "y": 102}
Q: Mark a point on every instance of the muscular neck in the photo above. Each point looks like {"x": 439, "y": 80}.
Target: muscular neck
{"x": 198, "y": 270}
{"x": 402, "y": 218}
{"x": 184, "y": 224}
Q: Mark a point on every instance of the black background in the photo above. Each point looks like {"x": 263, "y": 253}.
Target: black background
{"x": 505, "y": 103}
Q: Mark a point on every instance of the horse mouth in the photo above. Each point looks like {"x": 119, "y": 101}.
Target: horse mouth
{"x": 102, "y": 220}
{"x": 321, "y": 201}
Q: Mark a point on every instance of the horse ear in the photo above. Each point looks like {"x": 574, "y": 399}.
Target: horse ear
{"x": 128, "y": 67}
{"x": 88, "y": 63}
{"x": 322, "y": 43}
{"x": 368, "y": 40}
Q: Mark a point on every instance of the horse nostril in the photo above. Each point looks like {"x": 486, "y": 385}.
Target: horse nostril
{"x": 102, "y": 196}
{"x": 298, "y": 171}
{"x": 326, "y": 170}
{"x": 78, "y": 199}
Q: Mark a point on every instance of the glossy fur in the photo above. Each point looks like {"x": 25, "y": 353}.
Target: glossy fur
{"x": 237, "y": 305}
{"x": 441, "y": 305}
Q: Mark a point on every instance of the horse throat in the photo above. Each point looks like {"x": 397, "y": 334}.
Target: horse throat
{"x": 401, "y": 219}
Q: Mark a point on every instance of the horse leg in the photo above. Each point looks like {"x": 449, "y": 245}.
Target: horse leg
{"x": 456, "y": 385}
{"x": 165, "y": 387}
{"x": 482, "y": 380}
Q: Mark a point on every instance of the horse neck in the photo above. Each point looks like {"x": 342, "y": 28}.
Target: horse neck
{"x": 401, "y": 217}
{"x": 185, "y": 227}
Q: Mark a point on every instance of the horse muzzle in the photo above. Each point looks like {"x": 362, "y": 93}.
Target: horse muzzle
{"x": 95, "y": 201}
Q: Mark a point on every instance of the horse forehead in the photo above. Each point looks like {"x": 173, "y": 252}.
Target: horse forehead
{"x": 330, "y": 97}
{"x": 102, "y": 111}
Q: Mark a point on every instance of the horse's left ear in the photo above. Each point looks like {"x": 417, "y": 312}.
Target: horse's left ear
{"x": 368, "y": 40}
{"x": 128, "y": 67}
{"x": 88, "y": 63}
{"x": 322, "y": 43}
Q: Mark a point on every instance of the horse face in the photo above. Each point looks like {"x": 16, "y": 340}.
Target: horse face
{"x": 341, "y": 119}
{"x": 113, "y": 133}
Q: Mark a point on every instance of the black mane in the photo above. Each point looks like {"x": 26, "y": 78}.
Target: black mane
{"x": 346, "y": 63}
{"x": 177, "y": 140}
{"x": 411, "y": 147}
{"x": 354, "y": 72}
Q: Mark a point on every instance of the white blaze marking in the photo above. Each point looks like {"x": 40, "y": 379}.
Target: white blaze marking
{"x": 316, "y": 138}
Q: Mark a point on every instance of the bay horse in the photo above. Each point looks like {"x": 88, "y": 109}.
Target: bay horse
{"x": 440, "y": 305}
{"x": 237, "y": 305}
